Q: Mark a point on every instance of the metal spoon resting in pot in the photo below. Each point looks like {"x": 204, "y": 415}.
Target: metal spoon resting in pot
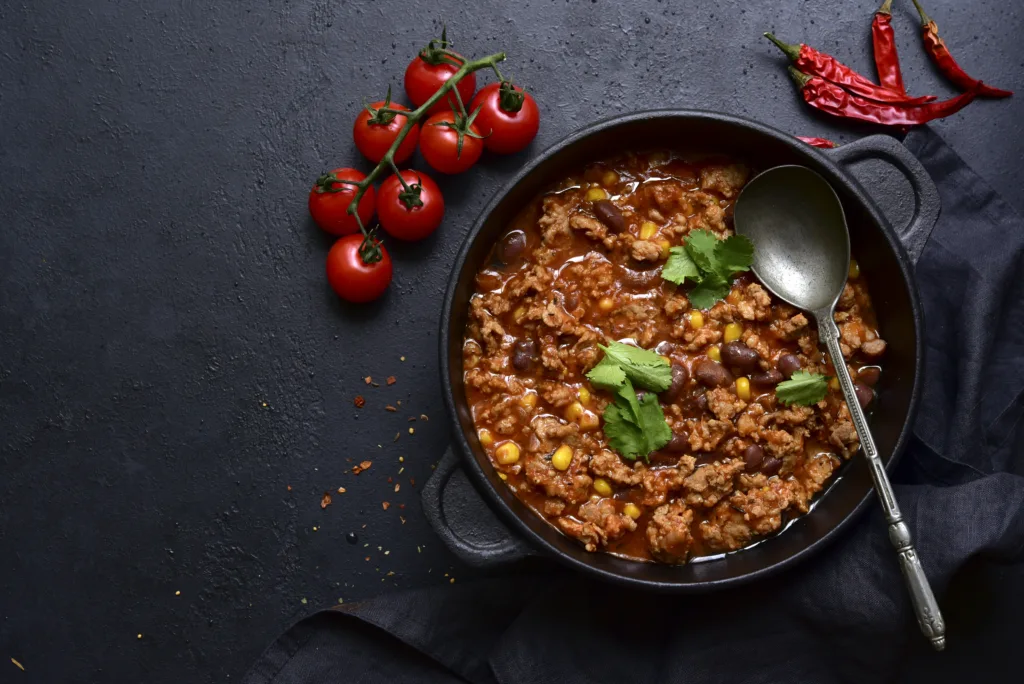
{"x": 802, "y": 255}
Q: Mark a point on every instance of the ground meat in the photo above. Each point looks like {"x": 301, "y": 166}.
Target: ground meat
{"x": 594, "y": 229}
{"x": 665, "y": 196}
{"x": 725, "y": 529}
{"x": 611, "y": 467}
{"x": 643, "y": 250}
{"x": 588, "y": 533}
{"x": 603, "y": 515}
{"x": 657, "y": 484}
{"x": 847, "y": 299}
{"x": 843, "y": 434}
{"x": 791, "y": 328}
{"x": 697, "y": 339}
{"x": 553, "y": 507}
{"x": 557, "y": 394}
{"x": 706, "y": 434}
{"x": 710, "y": 482}
{"x": 554, "y": 224}
{"x": 781, "y": 443}
{"x": 675, "y": 305}
{"x": 815, "y": 473}
{"x": 724, "y": 404}
{"x": 724, "y": 179}
{"x": 762, "y": 507}
{"x": 668, "y": 532}
{"x": 754, "y": 304}
{"x": 572, "y": 485}
{"x": 550, "y": 432}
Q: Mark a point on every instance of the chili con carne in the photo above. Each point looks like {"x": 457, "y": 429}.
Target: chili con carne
{"x": 832, "y": 99}
{"x": 937, "y": 50}
{"x": 817, "y": 63}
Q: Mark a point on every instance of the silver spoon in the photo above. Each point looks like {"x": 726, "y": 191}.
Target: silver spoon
{"x": 802, "y": 255}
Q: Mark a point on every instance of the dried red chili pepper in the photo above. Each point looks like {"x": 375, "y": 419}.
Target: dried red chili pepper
{"x": 823, "y": 143}
{"x": 937, "y": 50}
{"x": 832, "y": 99}
{"x": 883, "y": 41}
{"x": 816, "y": 63}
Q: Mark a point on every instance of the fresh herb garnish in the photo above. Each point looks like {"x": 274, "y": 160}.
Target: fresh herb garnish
{"x": 709, "y": 263}
{"x": 642, "y": 367}
{"x": 635, "y": 427}
{"x": 803, "y": 388}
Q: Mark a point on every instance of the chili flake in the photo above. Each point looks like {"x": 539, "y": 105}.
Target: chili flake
{"x": 326, "y": 500}
{"x": 289, "y": 488}
{"x": 391, "y": 380}
{"x": 365, "y": 465}
{"x": 341, "y": 490}
{"x": 367, "y": 379}
{"x": 359, "y": 401}
{"x": 385, "y": 505}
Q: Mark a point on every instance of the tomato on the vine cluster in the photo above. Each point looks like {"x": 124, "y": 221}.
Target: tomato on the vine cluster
{"x": 429, "y": 70}
{"x": 440, "y": 143}
{"x": 352, "y": 276}
{"x": 410, "y": 223}
{"x": 329, "y": 201}
{"x": 508, "y": 117}
{"x": 375, "y": 132}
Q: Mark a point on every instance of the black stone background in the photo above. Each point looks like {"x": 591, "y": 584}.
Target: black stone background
{"x": 171, "y": 357}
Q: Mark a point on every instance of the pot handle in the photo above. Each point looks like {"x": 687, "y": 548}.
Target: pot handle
{"x": 892, "y": 199}
{"x": 464, "y": 522}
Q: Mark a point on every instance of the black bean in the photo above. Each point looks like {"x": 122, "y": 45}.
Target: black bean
{"x": 771, "y": 466}
{"x": 711, "y": 374}
{"x": 772, "y": 377}
{"x": 788, "y": 364}
{"x": 512, "y": 245}
{"x": 680, "y": 376}
{"x": 677, "y": 443}
{"x": 610, "y": 215}
{"x": 753, "y": 456}
{"x": 864, "y": 394}
{"x": 869, "y": 375}
{"x": 736, "y": 354}
{"x": 524, "y": 353}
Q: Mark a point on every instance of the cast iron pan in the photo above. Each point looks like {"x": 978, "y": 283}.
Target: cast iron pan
{"x": 465, "y": 523}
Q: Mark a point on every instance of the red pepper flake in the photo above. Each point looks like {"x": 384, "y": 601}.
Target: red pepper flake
{"x": 368, "y": 380}
{"x": 365, "y": 465}
{"x": 401, "y": 506}
{"x": 367, "y": 559}
{"x": 385, "y": 505}
{"x": 399, "y": 402}
{"x": 289, "y": 488}
{"x": 326, "y": 500}
{"x": 412, "y": 419}
{"x": 359, "y": 401}
{"x": 412, "y": 481}
{"x": 392, "y": 380}
{"x": 391, "y": 408}
{"x": 342, "y": 490}
{"x": 390, "y": 480}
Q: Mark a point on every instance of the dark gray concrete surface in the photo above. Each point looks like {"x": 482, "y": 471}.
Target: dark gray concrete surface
{"x": 171, "y": 358}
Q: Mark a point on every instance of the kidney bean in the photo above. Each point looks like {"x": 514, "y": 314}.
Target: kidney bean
{"x": 711, "y": 374}
{"x": 610, "y": 215}
{"x": 736, "y": 354}
{"x": 512, "y": 245}
{"x": 869, "y": 375}
{"x": 702, "y": 402}
{"x": 788, "y": 364}
{"x": 771, "y": 466}
{"x": 572, "y": 300}
{"x": 680, "y": 376}
{"x": 771, "y": 377}
{"x": 864, "y": 394}
{"x": 677, "y": 443}
{"x": 753, "y": 456}
{"x": 524, "y": 353}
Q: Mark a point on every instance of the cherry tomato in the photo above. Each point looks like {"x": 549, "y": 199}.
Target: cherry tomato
{"x": 352, "y": 278}
{"x": 330, "y": 209}
{"x": 402, "y": 222}
{"x": 439, "y": 145}
{"x": 506, "y": 131}
{"x": 375, "y": 139}
{"x": 422, "y": 80}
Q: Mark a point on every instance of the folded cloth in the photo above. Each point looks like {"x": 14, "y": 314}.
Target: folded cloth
{"x": 841, "y": 616}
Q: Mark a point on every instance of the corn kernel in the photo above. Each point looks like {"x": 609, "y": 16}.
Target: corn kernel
{"x": 602, "y": 487}
{"x": 606, "y": 304}
{"x": 696, "y": 320}
{"x": 486, "y": 438}
{"x": 609, "y": 179}
{"x": 665, "y": 358}
{"x": 584, "y": 395}
{"x": 632, "y": 510}
{"x": 733, "y": 331}
{"x": 596, "y": 193}
{"x": 834, "y": 384}
{"x": 589, "y": 421}
{"x": 519, "y": 313}
{"x": 575, "y": 411}
{"x": 528, "y": 401}
{"x": 507, "y": 453}
{"x": 854, "y": 268}
{"x": 743, "y": 388}
{"x": 503, "y": 476}
{"x": 648, "y": 230}
{"x": 715, "y": 354}
{"x": 666, "y": 248}
{"x": 562, "y": 458}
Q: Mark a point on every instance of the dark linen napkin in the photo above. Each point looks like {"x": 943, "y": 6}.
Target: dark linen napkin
{"x": 842, "y": 616}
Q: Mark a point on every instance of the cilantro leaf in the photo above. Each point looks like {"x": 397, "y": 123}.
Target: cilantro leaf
{"x": 701, "y": 246}
{"x": 734, "y": 254}
{"x": 643, "y": 367}
{"x": 635, "y": 428}
{"x": 607, "y": 375}
{"x": 712, "y": 288}
{"x": 679, "y": 267}
{"x": 803, "y": 388}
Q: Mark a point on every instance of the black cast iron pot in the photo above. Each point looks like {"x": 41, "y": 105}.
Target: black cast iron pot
{"x": 883, "y": 260}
